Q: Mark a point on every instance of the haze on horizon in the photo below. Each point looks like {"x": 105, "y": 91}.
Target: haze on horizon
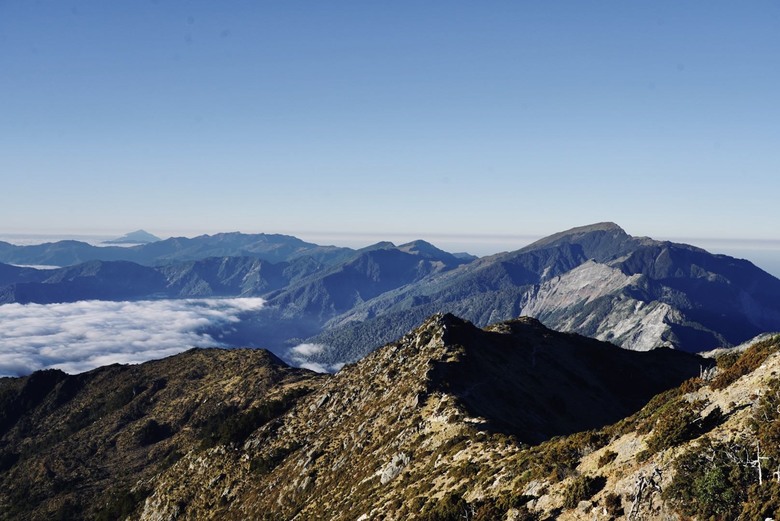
{"x": 500, "y": 121}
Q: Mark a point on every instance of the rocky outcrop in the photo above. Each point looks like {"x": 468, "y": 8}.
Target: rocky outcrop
{"x": 418, "y": 419}
{"x": 393, "y": 468}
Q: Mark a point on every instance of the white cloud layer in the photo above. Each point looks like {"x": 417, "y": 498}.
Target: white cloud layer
{"x": 301, "y": 354}
{"x": 305, "y": 350}
{"x": 321, "y": 368}
{"x": 80, "y": 336}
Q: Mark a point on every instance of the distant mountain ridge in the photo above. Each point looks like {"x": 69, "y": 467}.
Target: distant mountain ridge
{"x": 269, "y": 247}
{"x": 595, "y": 280}
{"x": 376, "y": 268}
{"x": 119, "y": 280}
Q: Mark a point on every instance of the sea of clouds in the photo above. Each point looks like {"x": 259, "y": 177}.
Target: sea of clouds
{"x": 302, "y": 356}
{"x": 80, "y": 336}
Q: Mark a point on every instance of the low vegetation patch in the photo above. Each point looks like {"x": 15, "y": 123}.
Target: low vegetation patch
{"x": 733, "y": 366}
{"x": 582, "y": 488}
{"x": 765, "y": 423}
{"x": 763, "y": 501}
{"x": 121, "y": 504}
{"x": 558, "y": 458}
{"x": 607, "y": 458}
{"x": 614, "y": 504}
{"x": 643, "y": 421}
{"x": 454, "y": 508}
{"x": 677, "y": 425}
{"x": 451, "y": 508}
{"x": 721, "y": 480}
{"x": 231, "y": 426}
{"x": 710, "y": 482}
{"x": 152, "y": 432}
{"x": 265, "y": 464}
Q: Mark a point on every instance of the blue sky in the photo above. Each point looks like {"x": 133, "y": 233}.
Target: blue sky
{"x": 382, "y": 119}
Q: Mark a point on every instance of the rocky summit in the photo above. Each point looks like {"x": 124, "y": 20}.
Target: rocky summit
{"x": 450, "y": 418}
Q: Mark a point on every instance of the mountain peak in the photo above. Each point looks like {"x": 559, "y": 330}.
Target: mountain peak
{"x": 136, "y": 237}
{"x": 601, "y": 226}
{"x": 381, "y": 245}
{"x": 443, "y": 322}
{"x": 423, "y": 248}
{"x": 600, "y": 241}
{"x": 578, "y": 232}
{"x": 428, "y": 251}
{"x": 438, "y": 327}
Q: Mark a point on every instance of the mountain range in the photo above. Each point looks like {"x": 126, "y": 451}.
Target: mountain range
{"x": 595, "y": 280}
{"x": 270, "y": 247}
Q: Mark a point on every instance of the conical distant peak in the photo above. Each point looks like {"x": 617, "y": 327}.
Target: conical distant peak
{"x": 138, "y": 236}
{"x": 419, "y": 243}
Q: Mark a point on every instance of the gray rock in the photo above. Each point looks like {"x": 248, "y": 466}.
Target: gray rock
{"x": 392, "y": 469}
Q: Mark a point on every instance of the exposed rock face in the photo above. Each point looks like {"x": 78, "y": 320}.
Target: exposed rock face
{"x": 392, "y": 469}
{"x": 605, "y": 303}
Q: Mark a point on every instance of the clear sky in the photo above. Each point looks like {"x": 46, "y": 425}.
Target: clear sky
{"x": 416, "y": 118}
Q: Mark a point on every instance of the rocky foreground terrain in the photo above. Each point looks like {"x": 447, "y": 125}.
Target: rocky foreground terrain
{"x": 514, "y": 421}
{"x": 85, "y": 446}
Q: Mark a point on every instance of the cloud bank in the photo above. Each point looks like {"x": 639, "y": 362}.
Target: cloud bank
{"x": 301, "y": 355}
{"x": 306, "y": 350}
{"x": 80, "y": 336}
